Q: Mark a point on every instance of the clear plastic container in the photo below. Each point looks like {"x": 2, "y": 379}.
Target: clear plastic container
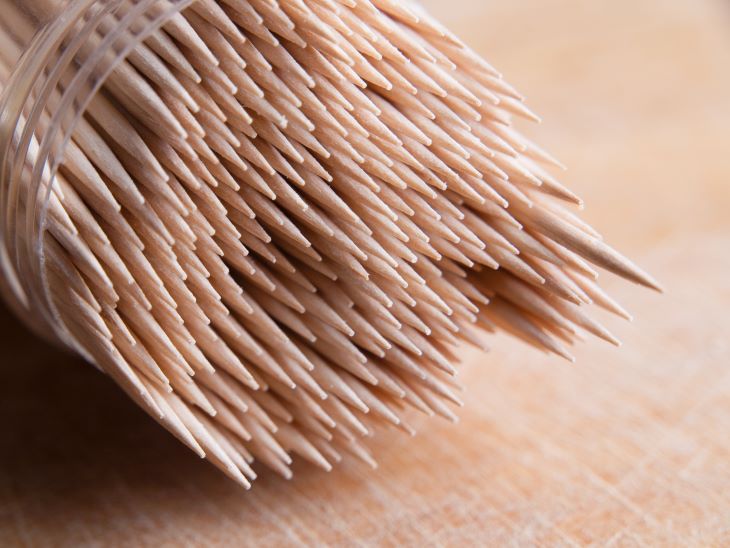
{"x": 54, "y": 55}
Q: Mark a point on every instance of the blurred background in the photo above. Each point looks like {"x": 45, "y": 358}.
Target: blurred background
{"x": 629, "y": 446}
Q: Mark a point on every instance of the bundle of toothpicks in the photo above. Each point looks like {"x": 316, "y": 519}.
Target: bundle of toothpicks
{"x": 278, "y": 220}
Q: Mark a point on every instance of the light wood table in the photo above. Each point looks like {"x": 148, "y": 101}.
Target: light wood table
{"x": 629, "y": 446}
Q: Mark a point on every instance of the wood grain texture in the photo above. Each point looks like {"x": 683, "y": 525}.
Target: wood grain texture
{"x": 628, "y": 447}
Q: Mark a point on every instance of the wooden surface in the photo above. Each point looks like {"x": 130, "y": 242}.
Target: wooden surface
{"x": 630, "y": 446}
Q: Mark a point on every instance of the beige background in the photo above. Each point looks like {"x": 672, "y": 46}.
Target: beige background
{"x": 630, "y": 446}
